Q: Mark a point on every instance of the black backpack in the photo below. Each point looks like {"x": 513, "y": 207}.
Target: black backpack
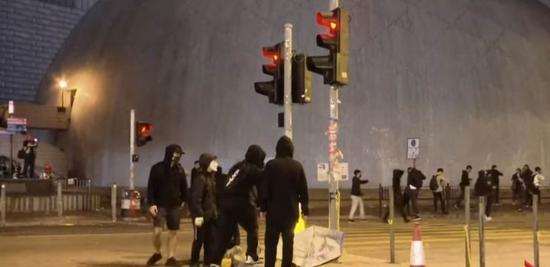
{"x": 434, "y": 184}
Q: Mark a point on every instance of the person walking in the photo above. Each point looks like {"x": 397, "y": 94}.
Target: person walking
{"x": 204, "y": 209}
{"x": 415, "y": 178}
{"x": 527, "y": 176}
{"x": 464, "y": 181}
{"x": 357, "y": 196}
{"x": 494, "y": 175}
{"x": 398, "y": 197}
{"x": 518, "y": 187}
{"x": 483, "y": 188}
{"x": 284, "y": 187}
{"x": 29, "y": 156}
{"x": 537, "y": 182}
{"x": 166, "y": 192}
{"x": 437, "y": 185}
{"x": 236, "y": 207}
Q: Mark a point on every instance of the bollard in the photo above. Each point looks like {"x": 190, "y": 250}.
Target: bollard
{"x": 536, "y": 229}
{"x": 3, "y": 204}
{"x": 59, "y": 200}
{"x": 390, "y": 222}
{"x": 481, "y": 212}
{"x": 113, "y": 203}
{"x": 468, "y": 247}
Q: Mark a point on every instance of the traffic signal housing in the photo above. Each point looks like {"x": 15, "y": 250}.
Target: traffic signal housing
{"x": 143, "y": 133}
{"x": 334, "y": 66}
{"x": 273, "y": 89}
{"x": 301, "y": 80}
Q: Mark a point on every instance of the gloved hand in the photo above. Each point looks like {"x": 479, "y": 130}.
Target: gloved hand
{"x": 199, "y": 221}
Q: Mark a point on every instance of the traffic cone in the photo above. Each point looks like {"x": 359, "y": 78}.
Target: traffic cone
{"x": 527, "y": 264}
{"x": 417, "y": 248}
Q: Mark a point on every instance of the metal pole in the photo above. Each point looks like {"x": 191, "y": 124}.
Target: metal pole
{"x": 59, "y": 200}
{"x": 3, "y": 204}
{"x": 132, "y": 146}
{"x": 12, "y": 169}
{"x": 467, "y": 223}
{"x": 334, "y": 194}
{"x": 113, "y": 203}
{"x": 288, "y": 80}
{"x": 536, "y": 229}
{"x": 481, "y": 231}
{"x": 390, "y": 222}
{"x": 89, "y": 194}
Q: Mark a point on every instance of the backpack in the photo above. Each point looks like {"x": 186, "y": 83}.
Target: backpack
{"x": 434, "y": 184}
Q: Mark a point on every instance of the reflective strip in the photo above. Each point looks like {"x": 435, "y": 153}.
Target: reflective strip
{"x": 417, "y": 254}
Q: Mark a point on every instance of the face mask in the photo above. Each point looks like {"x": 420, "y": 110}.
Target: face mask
{"x": 213, "y": 167}
{"x": 176, "y": 157}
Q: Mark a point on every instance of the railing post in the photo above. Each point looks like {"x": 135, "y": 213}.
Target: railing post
{"x": 3, "y": 205}
{"x": 380, "y": 198}
{"x": 59, "y": 200}
{"x": 113, "y": 203}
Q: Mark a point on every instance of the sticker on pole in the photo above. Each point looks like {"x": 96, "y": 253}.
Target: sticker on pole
{"x": 322, "y": 172}
{"x": 342, "y": 172}
{"x": 413, "y": 148}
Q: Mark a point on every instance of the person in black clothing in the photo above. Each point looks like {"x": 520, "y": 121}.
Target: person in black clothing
{"x": 221, "y": 179}
{"x": 29, "y": 148}
{"x": 464, "y": 181}
{"x": 527, "y": 176}
{"x": 415, "y": 179}
{"x": 357, "y": 196}
{"x": 166, "y": 191}
{"x": 204, "y": 209}
{"x": 484, "y": 188}
{"x": 494, "y": 175}
{"x": 398, "y": 201}
{"x": 236, "y": 207}
{"x": 518, "y": 187}
{"x": 285, "y": 186}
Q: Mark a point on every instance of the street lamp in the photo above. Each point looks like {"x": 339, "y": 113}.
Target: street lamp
{"x": 63, "y": 85}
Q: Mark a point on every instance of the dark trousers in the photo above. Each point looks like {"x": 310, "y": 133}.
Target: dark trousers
{"x": 273, "y": 230}
{"x": 398, "y": 204}
{"x": 203, "y": 236}
{"x": 517, "y": 191}
{"x": 496, "y": 193}
{"x": 438, "y": 197}
{"x": 234, "y": 213}
{"x": 412, "y": 200}
{"x": 28, "y": 168}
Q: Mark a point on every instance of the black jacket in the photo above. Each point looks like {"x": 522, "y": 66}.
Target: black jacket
{"x": 484, "y": 185}
{"x": 415, "y": 178}
{"x": 167, "y": 184}
{"x": 465, "y": 180}
{"x": 494, "y": 175}
{"x": 285, "y": 185}
{"x": 245, "y": 175}
{"x": 396, "y": 181}
{"x": 203, "y": 191}
{"x": 356, "y": 183}
{"x": 528, "y": 177}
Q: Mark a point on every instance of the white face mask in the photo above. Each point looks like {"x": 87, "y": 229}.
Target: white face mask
{"x": 213, "y": 167}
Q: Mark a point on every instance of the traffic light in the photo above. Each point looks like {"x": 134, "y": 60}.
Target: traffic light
{"x": 143, "y": 133}
{"x": 334, "y": 66}
{"x": 301, "y": 80}
{"x": 273, "y": 89}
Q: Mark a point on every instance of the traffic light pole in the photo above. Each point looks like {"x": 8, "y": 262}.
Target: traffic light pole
{"x": 132, "y": 146}
{"x": 334, "y": 193}
{"x": 288, "y": 80}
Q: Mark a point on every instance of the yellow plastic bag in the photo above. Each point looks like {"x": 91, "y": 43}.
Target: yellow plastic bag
{"x": 301, "y": 224}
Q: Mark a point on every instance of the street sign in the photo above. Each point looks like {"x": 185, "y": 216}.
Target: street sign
{"x": 322, "y": 172}
{"x": 413, "y": 148}
{"x": 17, "y": 125}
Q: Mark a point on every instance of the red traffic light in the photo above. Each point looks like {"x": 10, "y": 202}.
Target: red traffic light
{"x": 143, "y": 133}
{"x": 328, "y": 20}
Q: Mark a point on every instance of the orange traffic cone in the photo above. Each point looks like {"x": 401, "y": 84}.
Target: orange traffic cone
{"x": 527, "y": 264}
{"x": 417, "y": 249}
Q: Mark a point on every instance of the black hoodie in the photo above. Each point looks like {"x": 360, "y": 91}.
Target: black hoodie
{"x": 246, "y": 174}
{"x": 203, "y": 191}
{"x": 396, "y": 180}
{"x": 483, "y": 186}
{"x": 285, "y": 185}
{"x": 167, "y": 185}
{"x": 415, "y": 178}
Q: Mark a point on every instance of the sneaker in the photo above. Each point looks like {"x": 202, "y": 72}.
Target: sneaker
{"x": 351, "y": 220}
{"x": 154, "y": 259}
{"x": 417, "y": 218}
{"x": 214, "y": 265}
{"x": 488, "y": 218}
{"x": 455, "y": 206}
{"x": 251, "y": 260}
{"x": 172, "y": 262}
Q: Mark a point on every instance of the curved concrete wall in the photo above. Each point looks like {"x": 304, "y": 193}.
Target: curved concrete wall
{"x": 471, "y": 79}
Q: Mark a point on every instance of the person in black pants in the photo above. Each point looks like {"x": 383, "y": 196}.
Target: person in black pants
{"x": 29, "y": 148}
{"x": 484, "y": 188}
{"x": 166, "y": 191}
{"x": 398, "y": 201}
{"x": 285, "y": 186}
{"x": 464, "y": 181}
{"x": 236, "y": 207}
{"x": 494, "y": 175}
{"x": 415, "y": 180}
{"x": 204, "y": 209}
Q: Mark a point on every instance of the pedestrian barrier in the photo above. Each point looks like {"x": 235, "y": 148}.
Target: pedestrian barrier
{"x": 418, "y": 258}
